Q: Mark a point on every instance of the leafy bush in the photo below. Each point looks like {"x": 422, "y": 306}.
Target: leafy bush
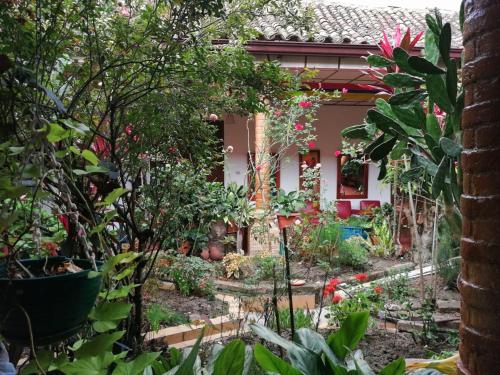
{"x": 353, "y": 253}
{"x": 157, "y": 315}
{"x": 234, "y": 264}
{"x": 448, "y": 251}
{"x": 397, "y": 287}
{"x": 265, "y": 263}
{"x": 302, "y": 319}
{"x": 191, "y": 274}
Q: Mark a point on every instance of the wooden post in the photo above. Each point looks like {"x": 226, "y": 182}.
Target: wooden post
{"x": 479, "y": 281}
{"x": 262, "y": 163}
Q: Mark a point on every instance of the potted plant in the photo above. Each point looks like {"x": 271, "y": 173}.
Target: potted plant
{"x": 287, "y": 207}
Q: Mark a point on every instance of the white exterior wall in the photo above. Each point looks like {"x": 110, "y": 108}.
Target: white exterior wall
{"x": 331, "y": 120}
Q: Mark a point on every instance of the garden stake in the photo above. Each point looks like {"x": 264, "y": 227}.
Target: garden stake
{"x": 289, "y": 283}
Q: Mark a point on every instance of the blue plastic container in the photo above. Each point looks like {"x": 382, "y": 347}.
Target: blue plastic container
{"x": 348, "y": 232}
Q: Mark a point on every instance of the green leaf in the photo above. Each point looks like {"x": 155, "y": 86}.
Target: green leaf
{"x": 461, "y": 16}
{"x": 402, "y": 80}
{"x": 98, "y": 344}
{"x": 57, "y": 133}
{"x": 438, "y": 93}
{"x": 431, "y": 51}
{"x": 439, "y": 179}
{"x": 456, "y": 190}
{"x": 424, "y": 66}
{"x": 401, "y": 58}
{"x": 398, "y": 151}
{"x": 396, "y": 367}
{"x": 407, "y": 97}
{"x": 135, "y": 366}
{"x": 379, "y": 61}
{"x": 432, "y": 126}
{"x": 110, "y": 311}
{"x": 450, "y": 148}
{"x": 355, "y": 132}
{"x": 432, "y": 24}
{"x": 90, "y": 157}
{"x": 186, "y": 367}
{"x": 76, "y": 126}
{"x": 384, "y": 123}
{"x": 313, "y": 341}
{"x": 433, "y": 147}
{"x": 112, "y": 197}
{"x": 102, "y": 326}
{"x": 451, "y": 80}
{"x": 347, "y": 337}
{"x": 445, "y": 43}
{"x": 382, "y": 150}
{"x": 231, "y": 359}
{"x": 407, "y": 115}
{"x": 272, "y": 363}
{"x": 362, "y": 366}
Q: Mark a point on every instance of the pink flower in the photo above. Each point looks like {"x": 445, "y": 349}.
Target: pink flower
{"x": 128, "y": 129}
{"x": 213, "y": 117}
{"x": 258, "y": 168}
{"x": 345, "y": 90}
{"x": 278, "y": 113}
{"x": 299, "y": 126}
{"x": 337, "y": 153}
{"x": 311, "y": 144}
{"x": 305, "y": 104}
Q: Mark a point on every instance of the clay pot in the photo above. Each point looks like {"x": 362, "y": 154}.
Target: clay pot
{"x": 184, "y": 248}
{"x": 287, "y": 221}
{"x": 205, "y": 254}
{"x": 216, "y": 250}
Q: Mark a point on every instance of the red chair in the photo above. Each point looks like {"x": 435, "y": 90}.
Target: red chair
{"x": 365, "y": 205}
{"x": 344, "y": 209}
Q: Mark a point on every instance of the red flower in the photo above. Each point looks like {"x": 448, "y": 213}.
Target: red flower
{"x": 299, "y": 126}
{"x": 311, "y": 144}
{"x": 337, "y": 298}
{"x": 278, "y": 113}
{"x": 305, "y": 104}
{"x": 378, "y": 289}
{"x": 361, "y": 277}
{"x": 337, "y": 153}
{"x": 331, "y": 287}
{"x": 128, "y": 129}
{"x": 4, "y": 250}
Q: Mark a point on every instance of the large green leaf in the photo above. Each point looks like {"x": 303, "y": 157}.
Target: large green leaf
{"x": 401, "y": 58}
{"x": 112, "y": 197}
{"x": 98, "y": 344}
{"x": 433, "y": 128}
{"x": 375, "y": 143}
{"x": 57, "y": 133}
{"x": 407, "y": 115}
{"x": 384, "y": 123}
{"x": 451, "y": 80}
{"x": 436, "y": 87}
{"x": 433, "y": 147}
{"x": 186, "y": 367}
{"x": 135, "y": 366}
{"x": 432, "y": 24}
{"x": 231, "y": 359}
{"x": 316, "y": 343}
{"x": 90, "y": 157}
{"x": 445, "y": 43}
{"x": 398, "y": 151}
{"x": 424, "y": 66}
{"x": 355, "y": 132}
{"x": 272, "y": 363}
{"x": 379, "y": 61}
{"x": 110, "y": 311}
{"x": 402, "y": 80}
{"x": 347, "y": 337}
{"x": 383, "y": 149}
{"x": 439, "y": 179}
{"x": 396, "y": 367}
{"x": 407, "y": 97}
{"x": 431, "y": 51}
{"x": 450, "y": 148}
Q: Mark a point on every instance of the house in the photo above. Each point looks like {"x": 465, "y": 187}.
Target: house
{"x": 344, "y": 35}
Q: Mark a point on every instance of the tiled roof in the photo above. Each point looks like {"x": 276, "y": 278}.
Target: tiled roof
{"x": 349, "y": 24}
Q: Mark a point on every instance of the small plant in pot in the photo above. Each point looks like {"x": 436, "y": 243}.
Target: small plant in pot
{"x": 288, "y": 206}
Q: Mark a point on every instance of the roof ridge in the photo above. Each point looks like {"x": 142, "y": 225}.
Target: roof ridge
{"x": 375, "y": 7}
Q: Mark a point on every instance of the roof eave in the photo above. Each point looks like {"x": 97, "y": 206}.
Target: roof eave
{"x": 283, "y": 47}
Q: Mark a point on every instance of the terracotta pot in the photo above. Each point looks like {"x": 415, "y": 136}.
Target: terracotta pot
{"x": 205, "y": 254}
{"x": 184, "y": 248}
{"x": 287, "y": 221}
{"x": 216, "y": 250}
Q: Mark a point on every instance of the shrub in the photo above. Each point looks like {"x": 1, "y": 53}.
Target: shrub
{"x": 448, "y": 251}
{"x": 302, "y": 319}
{"x": 233, "y": 264}
{"x": 353, "y": 253}
{"x": 264, "y": 263}
{"x": 157, "y": 315}
{"x": 190, "y": 274}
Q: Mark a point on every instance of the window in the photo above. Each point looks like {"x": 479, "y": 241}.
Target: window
{"x": 352, "y": 178}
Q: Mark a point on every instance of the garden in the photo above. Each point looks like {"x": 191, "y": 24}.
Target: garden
{"x": 121, "y": 254}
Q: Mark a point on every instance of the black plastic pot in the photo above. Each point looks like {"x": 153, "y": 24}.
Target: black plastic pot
{"x": 57, "y": 305}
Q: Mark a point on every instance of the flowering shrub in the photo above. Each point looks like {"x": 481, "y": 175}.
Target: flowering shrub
{"x": 233, "y": 264}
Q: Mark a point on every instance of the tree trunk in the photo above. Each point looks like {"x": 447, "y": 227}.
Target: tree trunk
{"x": 480, "y": 203}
